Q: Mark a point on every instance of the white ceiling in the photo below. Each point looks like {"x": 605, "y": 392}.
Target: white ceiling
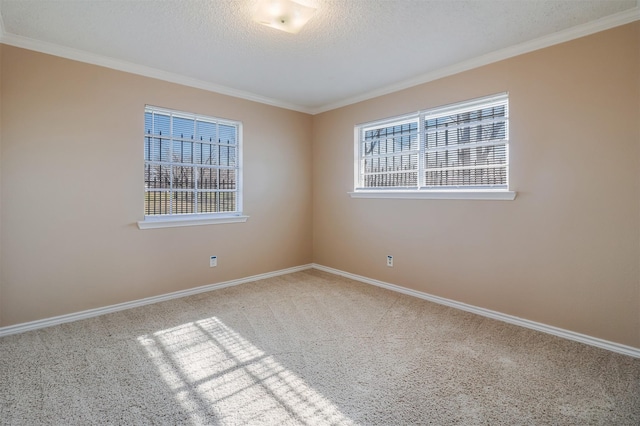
{"x": 349, "y": 51}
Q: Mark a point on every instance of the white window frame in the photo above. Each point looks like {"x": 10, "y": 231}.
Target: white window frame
{"x": 420, "y": 189}
{"x": 172, "y": 219}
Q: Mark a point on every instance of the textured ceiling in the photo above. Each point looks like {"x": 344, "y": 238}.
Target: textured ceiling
{"x": 350, "y": 48}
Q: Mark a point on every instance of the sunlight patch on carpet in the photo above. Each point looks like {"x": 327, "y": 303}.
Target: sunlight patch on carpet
{"x": 215, "y": 373}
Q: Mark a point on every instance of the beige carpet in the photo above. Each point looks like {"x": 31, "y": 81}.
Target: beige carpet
{"x": 308, "y": 348}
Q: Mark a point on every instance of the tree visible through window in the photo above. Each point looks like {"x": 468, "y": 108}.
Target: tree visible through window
{"x": 191, "y": 164}
{"x": 461, "y": 146}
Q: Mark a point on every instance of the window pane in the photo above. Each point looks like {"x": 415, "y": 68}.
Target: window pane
{"x": 183, "y": 177}
{"x": 149, "y": 147}
{"x": 227, "y": 201}
{"x": 157, "y": 176}
{"x": 207, "y": 202}
{"x": 205, "y": 153}
{"x": 182, "y": 202}
{"x": 161, "y": 124}
{"x": 409, "y": 179}
{"x": 182, "y": 152}
{"x": 227, "y": 155}
{"x": 156, "y": 202}
{"x": 206, "y": 131}
{"x": 148, "y": 122}
{"x": 483, "y": 155}
{"x": 183, "y": 128}
{"x": 482, "y": 125}
{"x": 156, "y": 149}
{"x": 207, "y": 178}
{"x": 464, "y": 135}
{"x": 495, "y": 176}
{"x": 391, "y": 164}
{"x": 391, "y": 139}
{"x": 227, "y": 134}
{"x": 488, "y": 132}
{"x": 227, "y": 179}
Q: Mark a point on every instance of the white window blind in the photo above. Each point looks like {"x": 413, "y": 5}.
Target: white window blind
{"x": 191, "y": 164}
{"x": 456, "y": 147}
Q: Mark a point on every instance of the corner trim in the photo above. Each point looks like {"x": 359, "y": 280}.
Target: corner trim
{"x": 510, "y": 319}
{"x": 62, "y": 319}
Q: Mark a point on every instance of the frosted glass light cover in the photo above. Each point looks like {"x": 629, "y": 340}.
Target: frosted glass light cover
{"x": 285, "y": 15}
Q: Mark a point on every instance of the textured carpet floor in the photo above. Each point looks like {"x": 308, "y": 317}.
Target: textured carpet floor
{"x": 308, "y": 348}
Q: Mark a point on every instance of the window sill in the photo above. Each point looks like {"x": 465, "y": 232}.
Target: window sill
{"x": 188, "y": 220}
{"x": 438, "y": 194}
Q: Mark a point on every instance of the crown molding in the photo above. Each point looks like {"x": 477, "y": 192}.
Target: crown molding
{"x": 569, "y": 34}
{"x": 119, "y": 65}
{"x": 588, "y": 28}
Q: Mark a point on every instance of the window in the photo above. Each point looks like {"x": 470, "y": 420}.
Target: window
{"x": 192, "y": 168}
{"x": 455, "y": 151}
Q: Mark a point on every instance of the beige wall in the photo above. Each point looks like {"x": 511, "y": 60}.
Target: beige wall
{"x": 565, "y": 252}
{"x": 72, "y": 190}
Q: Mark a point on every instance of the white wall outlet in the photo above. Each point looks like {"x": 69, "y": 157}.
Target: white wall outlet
{"x": 213, "y": 261}
{"x": 390, "y": 261}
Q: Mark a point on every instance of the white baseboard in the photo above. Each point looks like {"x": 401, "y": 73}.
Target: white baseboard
{"x": 582, "y": 338}
{"x": 48, "y": 322}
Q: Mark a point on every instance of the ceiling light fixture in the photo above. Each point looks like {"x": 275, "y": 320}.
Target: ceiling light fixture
{"x": 285, "y": 15}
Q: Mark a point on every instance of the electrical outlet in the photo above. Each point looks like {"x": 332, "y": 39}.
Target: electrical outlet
{"x": 390, "y": 261}
{"x": 213, "y": 261}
